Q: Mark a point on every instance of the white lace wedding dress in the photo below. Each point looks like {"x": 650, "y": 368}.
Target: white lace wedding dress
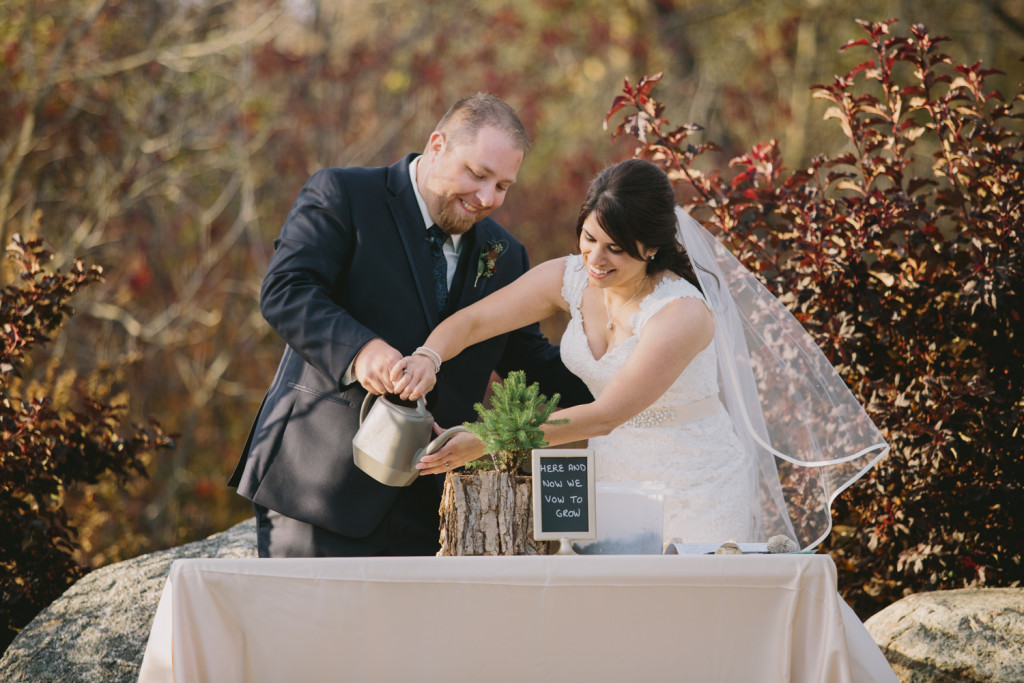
{"x": 681, "y": 451}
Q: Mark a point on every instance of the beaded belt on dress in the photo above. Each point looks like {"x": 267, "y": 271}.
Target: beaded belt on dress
{"x": 665, "y": 417}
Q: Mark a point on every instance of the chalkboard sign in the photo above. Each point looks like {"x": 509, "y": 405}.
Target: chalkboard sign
{"x": 563, "y": 494}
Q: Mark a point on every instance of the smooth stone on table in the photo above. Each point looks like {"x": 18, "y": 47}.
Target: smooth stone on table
{"x": 728, "y": 548}
{"x": 782, "y": 544}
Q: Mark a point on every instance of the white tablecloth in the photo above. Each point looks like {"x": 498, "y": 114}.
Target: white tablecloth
{"x": 750, "y": 618}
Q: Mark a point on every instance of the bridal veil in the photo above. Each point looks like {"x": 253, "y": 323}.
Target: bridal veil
{"x": 810, "y": 436}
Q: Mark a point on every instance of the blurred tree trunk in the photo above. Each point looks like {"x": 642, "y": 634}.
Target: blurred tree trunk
{"x": 806, "y": 56}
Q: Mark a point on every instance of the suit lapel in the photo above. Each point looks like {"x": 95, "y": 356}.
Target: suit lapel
{"x": 409, "y": 222}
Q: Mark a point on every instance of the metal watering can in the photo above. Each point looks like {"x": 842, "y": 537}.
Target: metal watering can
{"x": 393, "y": 435}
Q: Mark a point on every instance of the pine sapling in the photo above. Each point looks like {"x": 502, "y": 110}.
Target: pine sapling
{"x": 512, "y": 427}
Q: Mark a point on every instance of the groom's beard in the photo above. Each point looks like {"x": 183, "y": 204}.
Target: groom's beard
{"x": 454, "y": 222}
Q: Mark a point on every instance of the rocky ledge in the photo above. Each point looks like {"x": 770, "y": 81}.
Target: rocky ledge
{"x": 97, "y": 630}
{"x": 954, "y": 636}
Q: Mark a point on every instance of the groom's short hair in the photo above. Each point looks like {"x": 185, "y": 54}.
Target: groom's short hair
{"x": 469, "y": 114}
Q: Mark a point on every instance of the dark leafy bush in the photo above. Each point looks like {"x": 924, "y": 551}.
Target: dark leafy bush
{"x": 48, "y": 443}
{"x": 902, "y": 257}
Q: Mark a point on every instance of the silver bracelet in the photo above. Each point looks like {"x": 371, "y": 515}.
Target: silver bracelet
{"x": 430, "y": 354}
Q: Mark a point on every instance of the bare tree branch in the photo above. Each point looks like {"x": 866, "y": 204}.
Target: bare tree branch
{"x": 1011, "y": 22}
{"x": 179, "y": 57}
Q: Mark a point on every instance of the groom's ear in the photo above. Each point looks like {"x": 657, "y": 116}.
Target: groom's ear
{"x": 436, "y": 145}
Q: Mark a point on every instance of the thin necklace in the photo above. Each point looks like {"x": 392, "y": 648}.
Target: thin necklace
{"x": 608, "y": 314}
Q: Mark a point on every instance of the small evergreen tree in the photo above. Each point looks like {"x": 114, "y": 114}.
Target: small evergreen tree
{"x": 511, "y": 427}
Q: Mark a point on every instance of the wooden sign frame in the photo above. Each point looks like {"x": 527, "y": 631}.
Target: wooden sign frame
{"x": 559, "y": 456}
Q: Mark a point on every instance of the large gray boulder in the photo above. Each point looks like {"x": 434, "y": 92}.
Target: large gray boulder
{"x": 97, "y": 631}
{"x": 954, "y": 636}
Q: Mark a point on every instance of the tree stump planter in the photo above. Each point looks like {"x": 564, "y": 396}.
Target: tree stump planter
{"x": 488, "y": 513}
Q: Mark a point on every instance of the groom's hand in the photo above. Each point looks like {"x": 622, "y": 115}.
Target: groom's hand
{"x": 373, "y": 364}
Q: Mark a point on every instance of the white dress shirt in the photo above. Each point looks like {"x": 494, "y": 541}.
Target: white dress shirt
{"x": 453, "y": 245}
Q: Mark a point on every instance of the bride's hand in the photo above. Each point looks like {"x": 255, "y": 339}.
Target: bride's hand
{"x": 460, "y": 449}
{"x": 413, "y": 377}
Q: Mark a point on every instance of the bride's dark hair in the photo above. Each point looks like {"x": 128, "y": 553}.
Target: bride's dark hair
{"x": 633, "y": 202}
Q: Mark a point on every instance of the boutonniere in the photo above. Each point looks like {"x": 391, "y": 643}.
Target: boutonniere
{"x": 487, "y": 264}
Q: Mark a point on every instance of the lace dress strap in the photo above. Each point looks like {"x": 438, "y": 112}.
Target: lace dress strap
{"x": 669, "y": 289}
{"x": 573, "y": 282}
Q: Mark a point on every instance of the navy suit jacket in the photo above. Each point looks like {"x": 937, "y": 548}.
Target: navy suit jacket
{"x": 353, "y": 263}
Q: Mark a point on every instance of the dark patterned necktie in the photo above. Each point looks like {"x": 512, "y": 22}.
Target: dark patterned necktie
{"x": 437, "y": 237}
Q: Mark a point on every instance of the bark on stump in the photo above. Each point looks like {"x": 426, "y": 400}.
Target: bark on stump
{"x": 488, "y": 513}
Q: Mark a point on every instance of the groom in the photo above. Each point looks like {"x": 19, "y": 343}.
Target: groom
{"x": 357, "y": 281}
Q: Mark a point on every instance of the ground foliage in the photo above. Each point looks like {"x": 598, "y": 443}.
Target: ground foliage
{"x": 902, "y": 256}
{"x": 49, "y": 443}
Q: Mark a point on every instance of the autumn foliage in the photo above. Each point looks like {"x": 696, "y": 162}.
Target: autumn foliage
{"x": 48, "y": 443}
{"x": 166, "y": 142}
{"x": 902, "y": 256}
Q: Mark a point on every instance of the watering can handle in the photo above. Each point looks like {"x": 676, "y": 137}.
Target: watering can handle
{"x": 368, "y": 402}
{"x": 443, "y": 438}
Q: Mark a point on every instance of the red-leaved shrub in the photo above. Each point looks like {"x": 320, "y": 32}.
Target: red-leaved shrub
{"x": 48, "y": 443}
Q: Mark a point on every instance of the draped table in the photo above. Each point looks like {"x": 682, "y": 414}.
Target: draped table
{"x": 744, "y": 618}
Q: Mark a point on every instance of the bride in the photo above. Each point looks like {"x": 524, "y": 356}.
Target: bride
{"x": 709, "y": 394}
